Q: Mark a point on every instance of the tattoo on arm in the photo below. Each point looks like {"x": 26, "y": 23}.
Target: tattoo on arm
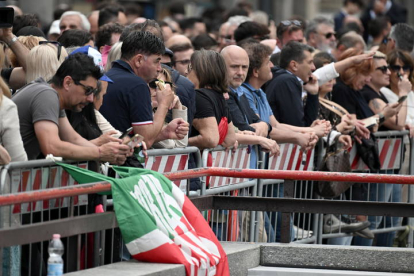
{"x": 375, "y": 104}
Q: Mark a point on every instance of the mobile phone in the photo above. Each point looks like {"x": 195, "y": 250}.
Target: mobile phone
{"x": 400, "y": 76}
{"x": 128, "y": 131}
{"x": 135, "y": 141}
{"x": 402, "y": 99}
{"x": 6, "y": 17}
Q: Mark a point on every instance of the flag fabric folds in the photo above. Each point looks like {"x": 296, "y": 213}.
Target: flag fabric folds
{"x": 158, "y": 222}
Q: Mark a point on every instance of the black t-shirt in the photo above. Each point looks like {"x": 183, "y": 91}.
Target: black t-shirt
{"x": 351, "y": 100}
{"x": 210, "y": 103}
{"x": 369, "y": 94}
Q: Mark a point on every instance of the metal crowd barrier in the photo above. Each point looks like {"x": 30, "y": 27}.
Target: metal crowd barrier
{"x": 230, "y": 225}
{"x": 391, "y": 153}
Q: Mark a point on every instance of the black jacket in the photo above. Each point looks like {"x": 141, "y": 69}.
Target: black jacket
{"x": 284, "y": 93}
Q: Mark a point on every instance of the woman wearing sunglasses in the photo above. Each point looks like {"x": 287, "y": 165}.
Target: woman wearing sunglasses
{"x": 178, "y": 110}
{"x": 401, "y": 65}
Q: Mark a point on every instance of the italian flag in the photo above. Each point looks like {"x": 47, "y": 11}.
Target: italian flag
{"x": 158, "y": 222}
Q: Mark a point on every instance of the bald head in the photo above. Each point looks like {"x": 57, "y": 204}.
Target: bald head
{"x": 237, "y": 63}
{"x": 93, "y": 20}
{"x": 177, "y": 39}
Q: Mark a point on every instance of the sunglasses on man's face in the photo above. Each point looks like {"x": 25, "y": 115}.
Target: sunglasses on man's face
{"x": 57, "y": 44}
{"x": 291, "y": 22}
{"x": 329, "y": 35}
{"x": 89, "y": 90}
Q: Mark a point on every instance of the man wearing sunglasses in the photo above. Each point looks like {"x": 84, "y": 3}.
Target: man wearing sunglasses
{"x": 288, "y": 30}
{"x": 320, "y": 34}
{"x": 44, "y": 126}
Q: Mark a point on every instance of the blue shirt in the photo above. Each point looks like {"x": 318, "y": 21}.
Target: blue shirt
{"x": 258, "y": 102}
{"x": 127, "y": 101}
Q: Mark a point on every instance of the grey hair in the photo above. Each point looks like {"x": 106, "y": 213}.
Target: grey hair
{"x": 238, "y": 19}
{"x": 314, "y": 24}
{"x": 85, "y": 22}
{"x": 403, "y": 34}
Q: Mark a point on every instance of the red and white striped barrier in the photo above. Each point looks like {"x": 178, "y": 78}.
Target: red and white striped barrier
{"x": 227, "y": 159}
{"x": 169, "y": 163}
{"x": 44, "y": 178}
{"x": 389, "y": 154}
{"x": 292, "y": 158}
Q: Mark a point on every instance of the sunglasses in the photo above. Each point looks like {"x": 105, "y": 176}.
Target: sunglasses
{"x": 397, "y": 68}
{"x": 291, "y": 22}
{"x": 57, "y": 44}
{"x": 89, "y": 90}
{"x": 329, "y": 35}
{"x": 383, "y": 69}
{"x": 153, "y": 83}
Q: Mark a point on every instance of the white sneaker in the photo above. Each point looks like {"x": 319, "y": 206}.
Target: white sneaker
{"x": 302, "y": 233}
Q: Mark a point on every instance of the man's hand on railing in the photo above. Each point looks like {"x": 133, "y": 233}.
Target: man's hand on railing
{"x": 321, "y": 127}
{"x": 270, "y": 146}
{"x": 4, "y": 156}
{"x": 114, "y": 153}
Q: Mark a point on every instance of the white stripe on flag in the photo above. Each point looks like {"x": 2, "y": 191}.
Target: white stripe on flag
{"x": 150, "y": 241}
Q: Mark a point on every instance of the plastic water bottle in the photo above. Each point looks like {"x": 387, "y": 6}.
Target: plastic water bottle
{"x": 55, "y": 261}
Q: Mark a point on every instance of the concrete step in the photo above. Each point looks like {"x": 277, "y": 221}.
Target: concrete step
{"x": 285, "y": 271}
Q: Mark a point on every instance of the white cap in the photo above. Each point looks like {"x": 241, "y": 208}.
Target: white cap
{"x": 54, "y": 28}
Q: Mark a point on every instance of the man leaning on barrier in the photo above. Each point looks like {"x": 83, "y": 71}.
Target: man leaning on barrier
{"x": 44, "y": 126}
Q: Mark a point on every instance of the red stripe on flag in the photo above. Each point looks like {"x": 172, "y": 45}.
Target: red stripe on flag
{"x": 384, "y": 151}
{"x": 292, "y": 157}
{"x": 394, "y": 153}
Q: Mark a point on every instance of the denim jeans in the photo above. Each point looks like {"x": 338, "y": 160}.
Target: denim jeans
{"x": 381, "y": 192}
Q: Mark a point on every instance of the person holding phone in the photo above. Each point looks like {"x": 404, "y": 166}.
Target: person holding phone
{"x": 376, "y": 100}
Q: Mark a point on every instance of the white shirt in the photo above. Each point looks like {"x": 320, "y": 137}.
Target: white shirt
{"x": 393, "y": 98}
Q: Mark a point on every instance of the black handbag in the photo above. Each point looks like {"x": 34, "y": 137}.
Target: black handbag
{"x": 368, "y": 152}
{"x": 335, "y": 160}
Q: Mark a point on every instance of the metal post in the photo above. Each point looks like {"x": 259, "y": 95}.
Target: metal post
{"x": 288, "y": 192}
{"x": 411, "y": 195}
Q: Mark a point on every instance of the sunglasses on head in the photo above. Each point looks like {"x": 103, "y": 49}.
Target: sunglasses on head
{"x": 383, "y": 69}
{"x": 291, "y": 22}
{"x": 398, "y": 68}
{"x": 57, "y": 44}
{"x": 153, "y": 83}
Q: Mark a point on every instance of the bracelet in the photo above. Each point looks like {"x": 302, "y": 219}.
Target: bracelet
{"x": 12, "y": 41}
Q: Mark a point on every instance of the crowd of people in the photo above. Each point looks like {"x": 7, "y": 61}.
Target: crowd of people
{"x": 226, "y": 78}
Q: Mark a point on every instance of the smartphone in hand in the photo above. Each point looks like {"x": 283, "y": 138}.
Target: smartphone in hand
{"x": 136, "y": 140}
{"x": 402, "y": 99}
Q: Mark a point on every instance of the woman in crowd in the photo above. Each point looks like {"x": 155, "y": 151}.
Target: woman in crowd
{"x": 114, "y": 54}
{"x": 44, "y": 60}
{"x": 212, "y": 124}
{"x": 30, "y": 42}
{"x": 347, "y": 94}
{"x": 178, "y": 111}
{"x": 11, "y": 150}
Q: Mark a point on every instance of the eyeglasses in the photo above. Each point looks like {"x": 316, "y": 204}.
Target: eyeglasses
{"x": 397, "y": 68}
{"x": 183, "y": 62}
{"x": 153, "y": 83}
{"x": 57, "y": 44}
{"x": 291, "y": 22}
{"x": 89, "y": 90}
{"x": 329, "y": 35}
{"x": 383, "y": 69}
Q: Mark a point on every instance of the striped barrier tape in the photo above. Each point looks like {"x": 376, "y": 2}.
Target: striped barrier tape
{"x": 292, "y": 158}
{"x": 44, "y": 178}
{"x": 389, "y": 153}
{"x": 169, "y": 163}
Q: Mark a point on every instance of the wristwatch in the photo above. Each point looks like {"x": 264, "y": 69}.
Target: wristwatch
{"x": 12, "y": 41}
